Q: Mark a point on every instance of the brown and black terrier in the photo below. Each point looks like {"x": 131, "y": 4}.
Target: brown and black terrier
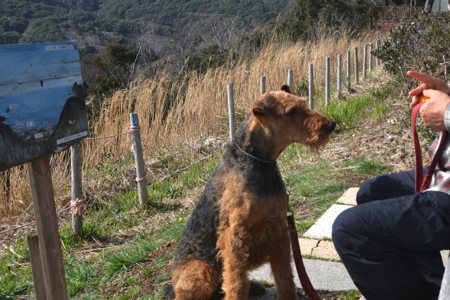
{"x": 240, "y": 221}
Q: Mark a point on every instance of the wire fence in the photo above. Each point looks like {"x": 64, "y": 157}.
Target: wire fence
{"x": 354, "y": 68}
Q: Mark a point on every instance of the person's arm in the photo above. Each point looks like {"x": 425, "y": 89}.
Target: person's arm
{"x": 447, "y": 118}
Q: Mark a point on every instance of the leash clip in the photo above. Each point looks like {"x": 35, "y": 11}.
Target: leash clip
{"x": 423, "y": 98}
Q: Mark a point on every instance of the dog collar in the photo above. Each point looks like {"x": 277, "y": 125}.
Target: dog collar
{"x": 266, "y": 162}
{"x": 254, "y": 157}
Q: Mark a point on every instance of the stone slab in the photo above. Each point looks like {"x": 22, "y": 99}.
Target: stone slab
{"x": 322, "y": 228}
{"x": 349, "y": 197}
{"x": 324, "y": 275}
{"x": 318, "y": 249}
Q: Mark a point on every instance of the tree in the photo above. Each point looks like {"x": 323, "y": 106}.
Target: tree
{"x": 110, "y": 70}
{"x": 420, "y": 44}
{"x": 311, "y": 18}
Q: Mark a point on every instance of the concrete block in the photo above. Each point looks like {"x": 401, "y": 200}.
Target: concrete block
{"x": 322, "y": 228}
{"x": 349, "y": 197}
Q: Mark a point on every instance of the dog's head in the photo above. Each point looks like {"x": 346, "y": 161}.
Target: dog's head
{"x": 285, "y": 118}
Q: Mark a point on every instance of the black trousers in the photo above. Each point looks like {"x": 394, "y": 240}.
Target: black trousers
{"x": 390, "y": 242}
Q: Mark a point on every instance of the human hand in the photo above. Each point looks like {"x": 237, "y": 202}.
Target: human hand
{"x": 427, "y": 82}
{"x": 433, "y": 110}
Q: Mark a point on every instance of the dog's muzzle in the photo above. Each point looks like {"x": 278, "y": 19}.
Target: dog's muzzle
{"x": 331, "y": 126}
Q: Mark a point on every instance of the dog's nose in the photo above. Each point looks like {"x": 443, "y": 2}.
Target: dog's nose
{"x": 331, "y": 126}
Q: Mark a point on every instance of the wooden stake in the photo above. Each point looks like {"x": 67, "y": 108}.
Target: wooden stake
{"x": 47, "y": 228}
{"x": 139, "y": 159}
{"x": 36, "y": 267}
{"x": 77, "y": 188}
{"x": 231, "y": 118}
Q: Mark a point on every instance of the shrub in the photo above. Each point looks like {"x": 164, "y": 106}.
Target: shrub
{"x": 309, "y": 19}
{"x": 421, "y": 44}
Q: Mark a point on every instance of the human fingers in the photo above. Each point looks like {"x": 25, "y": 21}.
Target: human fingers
{"x": 427, "y": 82}
{"x": 414, "y": 101}
{"x": 419, "y": 89}
{"x": 422, "y": 77}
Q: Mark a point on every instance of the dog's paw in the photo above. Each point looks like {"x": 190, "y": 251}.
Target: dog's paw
{"x": 256, "y": 288}
{"x": 169, "y": 293}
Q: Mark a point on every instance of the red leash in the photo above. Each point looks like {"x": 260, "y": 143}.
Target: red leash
{"x": 301, "y": 271}
{"x": 423, "y": 183}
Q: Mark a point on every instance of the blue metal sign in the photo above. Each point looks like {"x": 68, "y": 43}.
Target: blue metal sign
{"x": 42, "y": 101}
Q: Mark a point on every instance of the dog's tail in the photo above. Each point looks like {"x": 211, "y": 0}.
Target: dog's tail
{"x": 169, "y": 292}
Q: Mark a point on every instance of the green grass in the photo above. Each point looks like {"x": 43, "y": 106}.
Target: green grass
{"x": 80, "y": 274}
{"x": 313, "y": 188}
{"x": 345, "y": 113}
{"x": 363, "y": 165}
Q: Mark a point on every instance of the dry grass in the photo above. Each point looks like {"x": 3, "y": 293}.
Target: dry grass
{"x": 198, "y": 109}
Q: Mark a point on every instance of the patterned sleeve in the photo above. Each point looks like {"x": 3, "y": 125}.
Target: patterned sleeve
{"x": 447, "y": 118}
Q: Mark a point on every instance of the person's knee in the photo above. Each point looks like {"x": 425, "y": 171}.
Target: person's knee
{"x": 372, "y": 189}
{"x": 341, "y": 232}
{"x": 364, "y": 195}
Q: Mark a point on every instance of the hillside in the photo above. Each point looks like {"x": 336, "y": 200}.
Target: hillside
{"x": 126, "y": 252}
{"x": 98, "y": 22}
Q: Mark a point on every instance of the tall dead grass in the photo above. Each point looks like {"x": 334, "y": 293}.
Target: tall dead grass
{"x": 173, "y": 112}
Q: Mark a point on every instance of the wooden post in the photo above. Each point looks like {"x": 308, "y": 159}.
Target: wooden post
{"x": 377, "y": 60}
{"x": 138, "y": 158}
{"x": 47, "y": 228}
{"x": 327, "y": 80}
{"x": 370, "y": 56}
{"x": 231, "y": 119}
{"x": 311, "y": 86}
{"x": 348, "y": 71}
{"x": 364, "y": 61}
{"x": 356, "y": 66}
{"x": 290, "y": 78}
{"x": 36, "y": 267}
{"x": 339, "y": 71}
{"x": 77, "y": 190}
{"x": 262, "y": 84}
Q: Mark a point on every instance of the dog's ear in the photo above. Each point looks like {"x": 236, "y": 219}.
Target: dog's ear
{"x": 266, "y": 106}
{"x": 286, "y": 88}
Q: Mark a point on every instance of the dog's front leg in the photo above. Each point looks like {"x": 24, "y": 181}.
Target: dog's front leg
{"x": 234, "y": 254}
{"x": 280, "y": 262}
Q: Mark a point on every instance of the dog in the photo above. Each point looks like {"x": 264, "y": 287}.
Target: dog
{"x": 240, "y": 222}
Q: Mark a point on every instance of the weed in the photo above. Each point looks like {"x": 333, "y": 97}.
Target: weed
{"x": 344, "y": 113}
{"x": 367, "y": 166}
{"x": 127, "y": 257}
{"x": 79, "y": 275}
